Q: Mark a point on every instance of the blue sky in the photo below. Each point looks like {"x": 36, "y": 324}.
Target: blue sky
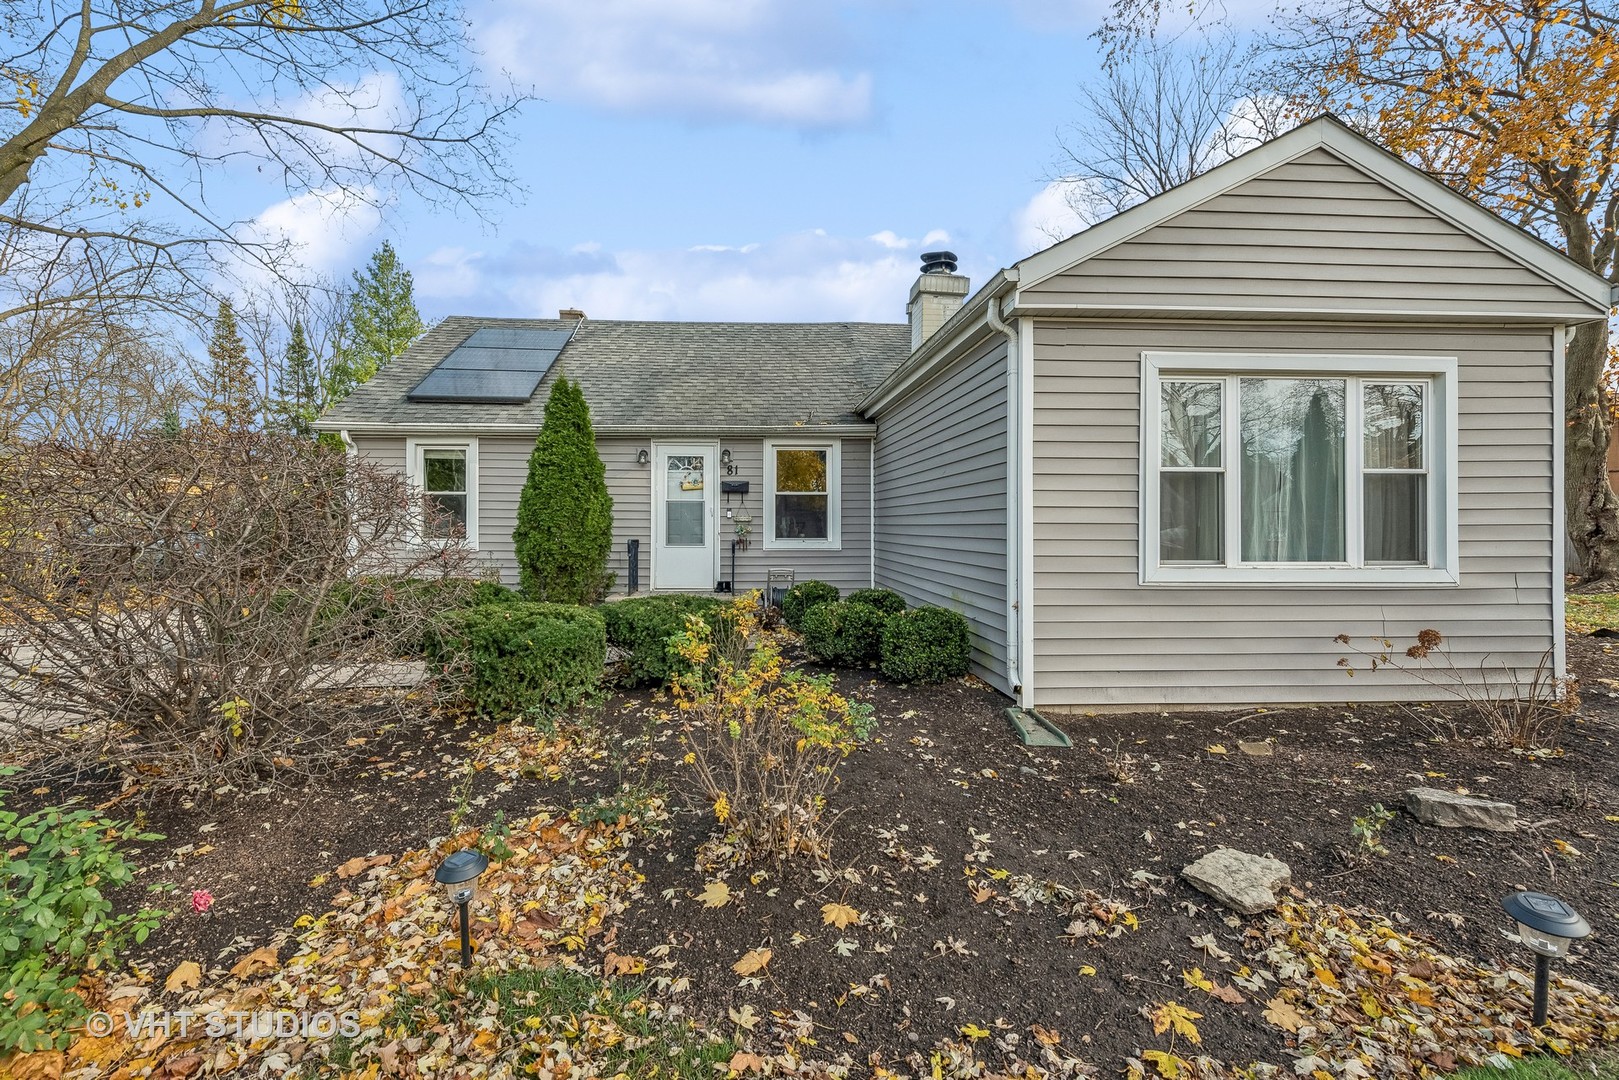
{"x": 744, "y": 159}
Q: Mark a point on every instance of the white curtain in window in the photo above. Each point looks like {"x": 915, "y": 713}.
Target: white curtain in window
{"x": 1292, "y": 470}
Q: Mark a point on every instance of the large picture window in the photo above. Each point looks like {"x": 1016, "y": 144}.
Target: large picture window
{"x": 445, "y": 475}
{"x": 802, "y": 494}
{"x": 1297, "y": 469}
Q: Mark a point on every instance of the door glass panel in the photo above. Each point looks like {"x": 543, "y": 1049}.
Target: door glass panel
{"x": 684, "y": 501}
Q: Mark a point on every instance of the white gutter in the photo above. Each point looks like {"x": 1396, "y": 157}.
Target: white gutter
{"x": 1014, "y": 508}
{"x": 401, "y": 427}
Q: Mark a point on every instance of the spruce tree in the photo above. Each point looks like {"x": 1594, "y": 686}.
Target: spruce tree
{"x": 300, "y": 389}
{"x": 564, "y": 515}
{"x": 232, "y": 391}
{"x": 381, "y": 323}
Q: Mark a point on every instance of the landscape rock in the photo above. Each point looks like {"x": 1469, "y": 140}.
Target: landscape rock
{"x": 1448, "y": 810}
{"x": 1242, "y": 882}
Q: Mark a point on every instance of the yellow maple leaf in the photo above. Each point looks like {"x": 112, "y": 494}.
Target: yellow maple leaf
{"x": 973, "y": 1031}
{"x": 1166, "y": 1064}
{"x": 186, "y": 975}
{"x": 839, "y": 915}
{"x": 1216, "y": 749}
{"x": 715, "y": 894}
{"x": 1283, "y": 1014}
{"x": 753, "y": 961}
{"x": 1196, "y": 980}
{"x": 1086, "y": 969}
{"x": 1326, "y": 976}
{"x": 1173, "y": 1015}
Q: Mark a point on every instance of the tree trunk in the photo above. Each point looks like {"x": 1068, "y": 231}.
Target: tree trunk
{"x": 1593, "y": 510}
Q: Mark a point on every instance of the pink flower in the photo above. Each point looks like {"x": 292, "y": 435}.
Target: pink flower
{"x": 201, "y": 901}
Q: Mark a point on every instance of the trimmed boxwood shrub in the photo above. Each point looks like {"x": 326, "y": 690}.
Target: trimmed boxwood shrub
{"x": 885, "y": 600}
{"x": 845, "y": 633}
{"x": 803, "y": 596}
{"x": 373, "y": 597}
{"x": 926, "y": 644}
{"x": 643, "y": 625}
{"x": 519, "y": 657}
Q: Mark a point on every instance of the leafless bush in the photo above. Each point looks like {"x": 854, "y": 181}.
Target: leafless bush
{"x": 1519, "y": 712}
{"x": 207, "y": 609}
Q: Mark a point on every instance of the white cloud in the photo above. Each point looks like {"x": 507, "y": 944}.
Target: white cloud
{"x": 773, "y": 62}
{"x": 321, "y": 230}
{"x": 802, "y": 277}
{"x": 1048, "y": 217}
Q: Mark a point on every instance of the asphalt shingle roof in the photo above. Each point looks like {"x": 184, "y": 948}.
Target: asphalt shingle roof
{"x": 675, "y": 375}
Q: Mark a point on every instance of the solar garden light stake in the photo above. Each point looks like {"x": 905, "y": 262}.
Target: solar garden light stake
{"x": 1548, "y": 926}
{"x": 458, "y": 873}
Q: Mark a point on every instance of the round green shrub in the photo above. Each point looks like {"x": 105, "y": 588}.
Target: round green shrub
{"x": 803, "y": 596}
{"x": 643, "y": 625}
{"x": 885, "y": 600}
{"x": 926, "y": 644}
{"x": 517, "y": 657}
{"x": 844, "y": 633}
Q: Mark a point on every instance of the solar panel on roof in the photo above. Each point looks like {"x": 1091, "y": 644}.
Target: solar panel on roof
{"x": 494, "y": 364}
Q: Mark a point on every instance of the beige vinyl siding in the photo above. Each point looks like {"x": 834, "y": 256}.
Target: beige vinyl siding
{"x": 503, "y": 468}
{"x": 1104, "y": 640}
{"x": 942, "y": 499}
{"x": 1314, "y": 234}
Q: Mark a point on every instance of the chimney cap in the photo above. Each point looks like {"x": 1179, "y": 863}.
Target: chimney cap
{"x": 938, "y": 262}
{"x": 571, "y": 313}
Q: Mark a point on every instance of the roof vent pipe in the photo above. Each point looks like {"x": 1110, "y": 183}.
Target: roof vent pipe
{"x": 938, "y": 262}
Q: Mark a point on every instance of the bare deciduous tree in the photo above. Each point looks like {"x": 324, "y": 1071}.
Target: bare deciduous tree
{"x": 209, "y": 608}
{"x": 1156, "y": 116}
{"x": 128, "y": 114}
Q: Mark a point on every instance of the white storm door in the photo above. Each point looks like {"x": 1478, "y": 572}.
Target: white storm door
{"x": 683, "y": 516}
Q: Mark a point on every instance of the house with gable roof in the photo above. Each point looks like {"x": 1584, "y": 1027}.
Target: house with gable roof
{"x": 1162, "y": 463}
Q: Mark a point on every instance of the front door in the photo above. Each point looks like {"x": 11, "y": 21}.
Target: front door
{"x": 682, "y": 516}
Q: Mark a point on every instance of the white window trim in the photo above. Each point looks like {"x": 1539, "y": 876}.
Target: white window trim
{"x": 834, "y": 495}
{"x": 1440, "y": 372}
{"x": 415, "y": 473}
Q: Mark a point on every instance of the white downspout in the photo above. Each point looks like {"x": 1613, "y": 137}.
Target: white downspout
{"x": 1014, "y": 491}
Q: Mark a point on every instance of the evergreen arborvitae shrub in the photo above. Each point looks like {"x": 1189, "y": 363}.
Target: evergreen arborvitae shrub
{"x": 565, "y": 516}
{"x": 926, "y": 644}
{"x": 643, "y": 625}
{"x": 845, "y": 633}
{"x": 516, "y": 658}
{"x": 803, "y": 596}
{"x": 885, "y": 600}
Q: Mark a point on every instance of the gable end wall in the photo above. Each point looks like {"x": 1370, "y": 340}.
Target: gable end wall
{"x": 1104, "y": 640}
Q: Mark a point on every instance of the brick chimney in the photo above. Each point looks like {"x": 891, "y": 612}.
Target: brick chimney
{"x": 938, "y": 294}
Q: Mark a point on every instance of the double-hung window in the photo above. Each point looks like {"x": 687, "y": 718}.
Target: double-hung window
{"x": 1305, "y": 470}
{"x": 444, "y": 475}
{"x": 803, "y": 494}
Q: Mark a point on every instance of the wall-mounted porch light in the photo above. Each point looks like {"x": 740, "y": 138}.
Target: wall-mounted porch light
{"x": 725, "y": 456}
{"x": 1548, "y": 926}
{"x": 458, "y": 873}
{"x": 642, "y": 457}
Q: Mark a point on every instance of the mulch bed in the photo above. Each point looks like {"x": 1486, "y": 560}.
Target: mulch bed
{"x": 945, "y": 767}
{"x": 941, "y": 815}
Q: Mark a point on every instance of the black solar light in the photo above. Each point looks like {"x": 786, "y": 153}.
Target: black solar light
{"x": 458, "y": 873}
{"x": 1548, "y": 926}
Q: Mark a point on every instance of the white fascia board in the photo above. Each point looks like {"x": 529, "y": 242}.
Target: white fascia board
{"x": 1354, "y": 150}
{"x": 968, "y": 321}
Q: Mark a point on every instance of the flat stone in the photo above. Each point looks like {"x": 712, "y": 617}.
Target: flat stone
{"x": 1448, "y": 810}
{"x": 1242, "y": 882}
